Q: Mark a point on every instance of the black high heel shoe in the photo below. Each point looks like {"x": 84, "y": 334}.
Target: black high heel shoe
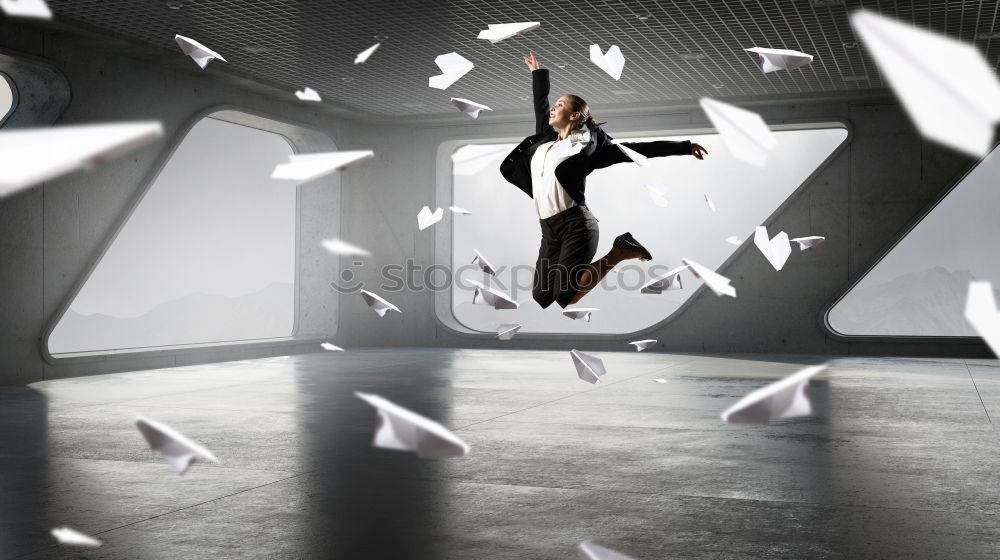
{"x": 626, "y": 242}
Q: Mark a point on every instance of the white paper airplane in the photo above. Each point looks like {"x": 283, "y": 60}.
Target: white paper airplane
{"x": 198, "y": 52}
{"x": 711, "y": 205}
{"x": 948, "y": 88}
{"x": 633, "y": 155}
{"x": 339, "y": 247}
{"x": 659, "y": 380}
{"x": 377, "y": 304}
{"x": 179, "y": 451}
{"x": 453, "y": 66}
{"x": 331, "y": 347}
{"x": 72, "y": 537}
{"x": 734, "y": 240}
{"x": 470, "y": 108}
{"x": 426, "y": 218}
{"x": 745, "y": 134}
{"x": 776, "y": 249}
{"x": 507, "y": 331}
{"x": 499, "y": 31}
{"x": 591, "y": 551}
{"x": 611, "y": 62}
{"x": 306, "y": 167}
{"x": 483, "y": 264}
{"x": 308, "y": 94}
{"x": 473, "y": 158}
{"x": 669, "y": 281}
{"x": 364, "y": 55}
{"x": 458, "y": 210}
{"x": 404, "y": 430}
{"x": 715, "y": 281}
{"x": 641, "y": 345}
{"x": 981, "y": 312}
{"x": 658, "y": 193}
{"x": 26, "y": 8}
{"x": 491, "y": 296}
{"x": 772, "y": 60}
{"x": 582, "y": 313}
{"x": 807, "y": 242}
{"x": 31, "y": 156}
{"x": 588, "y": 368}
{"x": 786, "y": 398}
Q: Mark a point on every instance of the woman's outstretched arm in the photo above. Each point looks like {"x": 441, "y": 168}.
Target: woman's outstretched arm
{"x": 539, "y": 92}
{"x": 611, "y": 154}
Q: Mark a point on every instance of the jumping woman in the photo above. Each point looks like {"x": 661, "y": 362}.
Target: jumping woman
{"x": 552, "y": 167}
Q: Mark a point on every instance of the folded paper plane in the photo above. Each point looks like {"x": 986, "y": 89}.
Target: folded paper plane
{"x": 807, "y": 242}
{"x": 306, "y": 167}
{"x": 948, "y": 88}
{"x": 31, "y": 156}
{"x": 981, "y": 312}
{"x": 470, "y": 108}
{"x": 658, "y": 193}
{"x": 491, "y": 296}
{"x": 659, "y": 380}
{"x": 734, "y": 240}
{"x": 641, "y": 345}
{"x": 340, "y": 247}
{"x": 458, "y": 210}
{"x": 497, "y": 32}
{"x": 201, "y": 54}
{"x": 179, "y": 451}
{"x": 776, "y": 249}
{"x": 772, "y": 60}
{"x": 711, "y": 205}
{"x": 364, "y": 55}
{"x": 426, "y": 218}
{"x": 591, "y": 551}
{"x": 588, "y": 368}
{"x": 72, "y": 537}
{"x": 507, "y": 331}
{"x": 404, "y": 430}
{"x": 582, "y": 313}
{"x": 745, "y": 134}
{"x": 483, "y": 264}
{"x": 633, "y": 155}
{"x": 37, "y": 9}
{"x": 331, "y": 347}
{"x": 611, "y": 62}
{"x": 377, "y": 304}
{"x": 786, "y": 398}
{"x": 453, "y": 66}
{"x": 715, "y": 281}
{"x": 669, "y": 281}
{"x": 308, "y": 94}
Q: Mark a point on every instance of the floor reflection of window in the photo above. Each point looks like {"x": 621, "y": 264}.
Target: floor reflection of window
{"x": 919, "y": 287}
{"x": 207, "y": 256}
{"x": 504, "y": 226}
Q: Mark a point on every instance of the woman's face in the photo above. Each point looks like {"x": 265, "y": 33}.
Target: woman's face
{"x": 561, "y": 114}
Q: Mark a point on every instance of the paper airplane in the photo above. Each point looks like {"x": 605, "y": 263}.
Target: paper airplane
{"x": 948, "y": 88}
{"x": 499, "y": 31}
{"x": 306, "y": 167}
{"x": 338, "y": 247}
{"x": 715, "y": 281}
{"x": 733, "y": 240}
{"x": 776, "y": 249}
{"x": 308, "y": 94}
{"x": 401, "y": 429}
{"x": 507, "y": 331}
{"x": 782, "y": 399}
{"x": 611, "y": 62}
{"x": 453, "y": 66}
{"x": 641, "y": 345}
{"x": 483, "y": 264}
{"x": 198, "y": 52}
{"x": 378, "y": 304}
{"x": 579, "y": 313}
{"x": 473, "y": 158}
{"x": 31, "y": 156}
{"x": 490, "y": 296}
{"x": 807, "y": 242}
{"x": 26, "y": 8}
{"x": 745, "y": 134}
{"x": 72, "y": 537}
{"x": 772, "y": 60}
{"x": 659, "y": 380}
{"x": 588, "y": 368}
{"x": 458, "y": 210}
{"x": 331, "y": 347}
{"x": 658, "y": 193}
{"x": 981, "y": 312}
{"x": 591, "y": 551}
{"x": 711, "y": 205}
{"x": 470, "y": 108}
{"x": 179, "y": 451}
{"x": 633, "y": 155}
{"x": 364, "y": 55}
{"x": 669, "y": 281}
{"x": 426, "y": 218}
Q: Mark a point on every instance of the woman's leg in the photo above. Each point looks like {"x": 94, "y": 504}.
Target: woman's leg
{"x": 597, "y": 270}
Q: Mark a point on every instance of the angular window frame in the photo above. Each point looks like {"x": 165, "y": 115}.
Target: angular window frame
{"x": 9, "y": 82}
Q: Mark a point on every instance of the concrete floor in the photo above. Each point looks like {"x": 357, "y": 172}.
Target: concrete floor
{"x": 901, "y": 460}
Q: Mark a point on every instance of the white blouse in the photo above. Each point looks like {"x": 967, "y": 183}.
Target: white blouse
{"x": 550, "y": 197}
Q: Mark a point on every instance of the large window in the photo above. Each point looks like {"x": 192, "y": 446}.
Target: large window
{"x": 504, "y": 226}
{"x": 207, "y": 256}
{"x": 919, "y": 287}
{"x": 6, "y": 97}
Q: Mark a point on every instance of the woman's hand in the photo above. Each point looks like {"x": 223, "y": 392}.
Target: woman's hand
{"x": 698, "y": 151}
{"x": 531, "y": 61}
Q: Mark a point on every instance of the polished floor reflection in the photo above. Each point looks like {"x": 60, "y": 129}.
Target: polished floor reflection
{"x": 899, "y": 462}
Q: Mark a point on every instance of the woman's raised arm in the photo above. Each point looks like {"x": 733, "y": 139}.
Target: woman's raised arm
{"x": 539, "y": 92}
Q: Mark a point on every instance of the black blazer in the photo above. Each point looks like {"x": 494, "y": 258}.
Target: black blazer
{"x": 572, "y": 173}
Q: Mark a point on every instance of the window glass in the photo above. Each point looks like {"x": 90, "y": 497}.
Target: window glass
{"x": 6, "y": 97}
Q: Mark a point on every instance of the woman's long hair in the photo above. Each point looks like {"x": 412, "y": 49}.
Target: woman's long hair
{"x": 578, "y": 105}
